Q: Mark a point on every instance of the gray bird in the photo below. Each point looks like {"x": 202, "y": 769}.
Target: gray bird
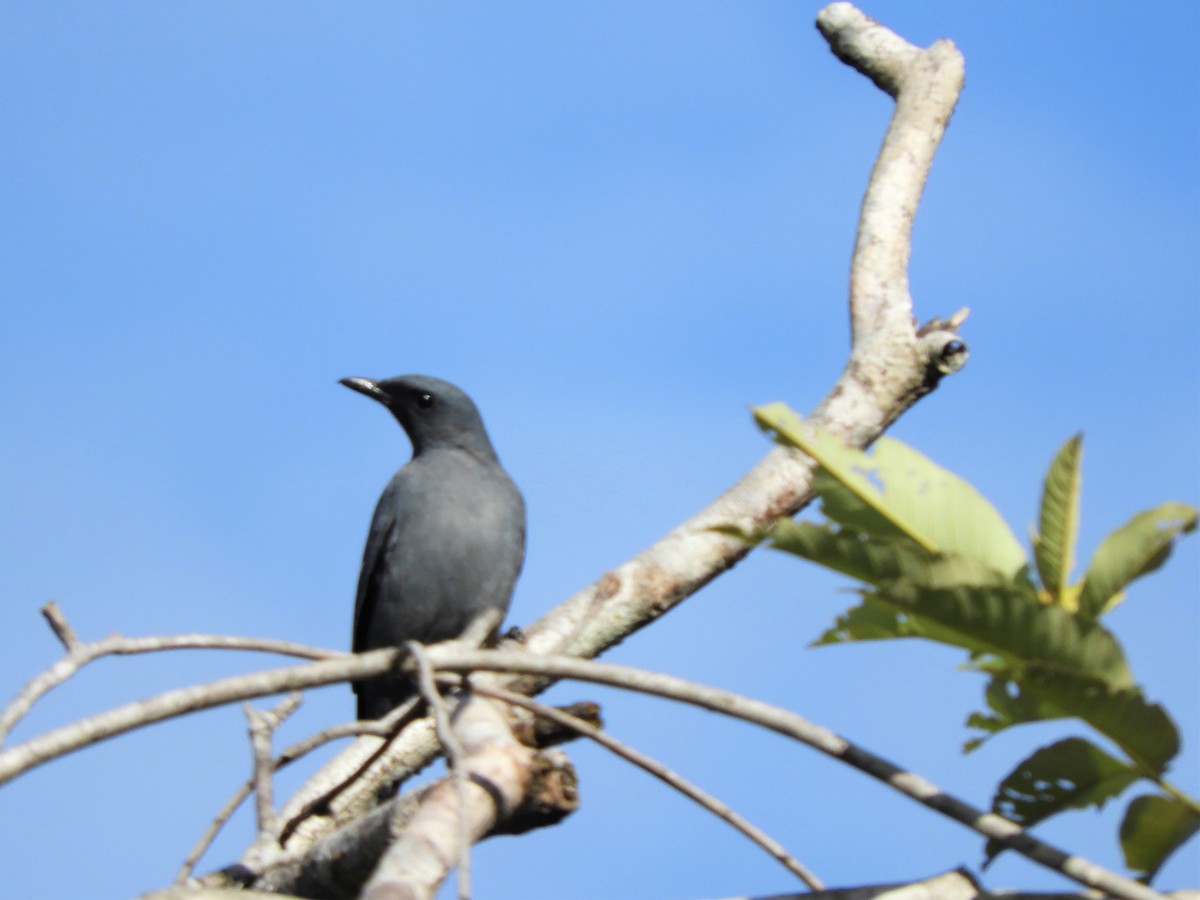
{"x": 448, "y": 537}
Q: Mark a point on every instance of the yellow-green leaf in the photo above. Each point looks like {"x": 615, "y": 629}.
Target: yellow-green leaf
{"x": 899, "y": 492}
{"x": 1153, "y": 827}
{"x": 873, "y": 558}
{"x": 1137, "y": 548}
{"x": 1058, "y": 520}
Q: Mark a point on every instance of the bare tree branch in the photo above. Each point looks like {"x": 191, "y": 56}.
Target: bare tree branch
{"x": 819, "y": 738}
{"x": 338, "y": 864}
{"x": 661, "y": 772}
{"x": 890, "y": 367}
{"x": 94, "y": 729}
{"x": 80, "y": 654}
{"x": 455, "y": 758}
{"x": 498, "y": 772}
{"x": 925, "y": 85}
{"x": 210, "y": 834}
{"x": 60, "y": 626}
{"x": 381, "y": 728}
{"x": 262, "y": 726}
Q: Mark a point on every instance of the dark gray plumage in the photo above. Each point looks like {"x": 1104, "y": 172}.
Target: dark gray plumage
{"x": 448, "y": 537}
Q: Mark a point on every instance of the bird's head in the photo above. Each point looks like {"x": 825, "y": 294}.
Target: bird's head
{"x": 434, "y": 413}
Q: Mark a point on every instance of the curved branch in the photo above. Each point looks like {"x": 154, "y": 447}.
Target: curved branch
{"x": 789, "y": 724}
{"x": 494, "y": 774}
{"x": 891, "y": 366}
{"x": 79, "y": 654}
{"x": 121, "y": 719}
{"x": 926, "y": 85}
{"x": 661, "y": 772}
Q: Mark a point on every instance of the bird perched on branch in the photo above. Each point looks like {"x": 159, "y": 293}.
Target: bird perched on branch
{"x": 448, "y": 537}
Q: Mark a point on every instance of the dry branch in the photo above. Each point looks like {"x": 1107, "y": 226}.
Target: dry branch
{"x": 661, "y": 772}
{"x": 792, "y": 725}
{"x": 891, "y": 366}
{"x": 170, "y": 704}
{"x": 262, "y": 727}
{"x": 493, "y": 774}
{"x": 340, "y": 863}
{"x": 79, "y": 654}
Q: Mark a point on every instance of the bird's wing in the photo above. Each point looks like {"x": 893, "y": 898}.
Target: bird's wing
{"x": 382, "y": 525}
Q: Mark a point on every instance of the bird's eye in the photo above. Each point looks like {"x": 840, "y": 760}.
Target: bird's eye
{"x": 425, "y": 401}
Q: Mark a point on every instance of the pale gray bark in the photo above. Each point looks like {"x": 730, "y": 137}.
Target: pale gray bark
{"x": 891, "y": 365}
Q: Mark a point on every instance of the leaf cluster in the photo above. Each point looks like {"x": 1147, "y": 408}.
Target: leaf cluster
{"x": 937, "y": 561}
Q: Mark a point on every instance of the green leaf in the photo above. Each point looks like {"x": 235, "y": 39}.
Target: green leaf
{"x": 869, "y": 621}
{"x": 1008, "y": 621}
{"x": 899, "y": 492}
{"x": 874, "y": 559}
{"x": 1136, "y": 548}
{"x": 1058, "y": 520}
{"x": 1153, "y": 828}
{"x": 1140, "y": 728}
{"x": 846, "y": 491}
{"x": 1009, "y": 706}
{"x": 1071, "y": 774}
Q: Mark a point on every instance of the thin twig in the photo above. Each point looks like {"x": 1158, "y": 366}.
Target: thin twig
{"x": 454, "y": 759}
{"x": 655, "y": 768}
{"x": 792, "y": 725}
{"x": 386, "y": 728}
{"x": 121, "y": 719}
{"x": 81, "y": 653}
{"x": 210, "y": 833}
{"x": 286, "y": 757}
{"x": 60, "y": 626}
{"x": 262, "y": 729}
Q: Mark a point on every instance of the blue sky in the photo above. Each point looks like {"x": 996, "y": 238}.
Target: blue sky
{"x": 616, "y": 225}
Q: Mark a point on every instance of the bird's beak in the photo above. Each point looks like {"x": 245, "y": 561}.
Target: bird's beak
{"x": 365, "y": 386}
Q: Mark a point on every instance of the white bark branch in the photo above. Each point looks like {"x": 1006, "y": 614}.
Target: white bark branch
{"x": 792, "y": 725}
{"x": 80, "y": 654}
{"x": 925, "y": 85}
{"x": 667, "y": 776}
{"x": 262, "y": 726}
{"x": 455, "y": 755}
{"x": 382, "y": 728}
{"x": 338, "y": 864}
{"x": 494, "y": 773}
{"x": 94, "y": 729}
{"x": 891, "y": 366}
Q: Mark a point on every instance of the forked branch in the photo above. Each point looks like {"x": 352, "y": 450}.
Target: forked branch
{"x": 892, "y": 364}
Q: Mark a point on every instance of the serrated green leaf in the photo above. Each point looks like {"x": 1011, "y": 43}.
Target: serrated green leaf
{"x": 1008, "y": 621}
{"x": 1140, "y": 728}
{"x": 1153, "y": 828}
{"x": 873, "y": 559}
{"x": 1070, "y": 774}
{"x": 1138, "y": 547}
{"x": 899, "y": 492}
{"x": 1058, "y": 519}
